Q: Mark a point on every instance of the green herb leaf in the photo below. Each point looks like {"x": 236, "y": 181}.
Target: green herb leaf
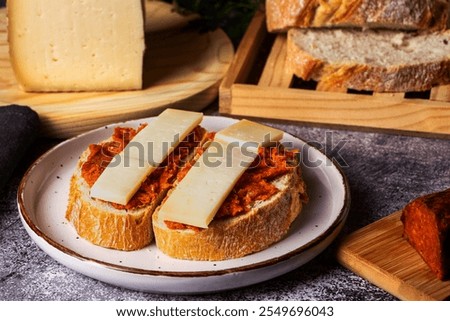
{"x": 232, "y": 16}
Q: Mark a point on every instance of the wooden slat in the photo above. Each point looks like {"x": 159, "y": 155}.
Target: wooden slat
{"x": 244, "y": 58}
{"x": 276, "y": 73}
{"x": 331, "y": 89}
{"x": 379, "y": 253}
{"x": 397, "y": 96}
{"x": 340, "y": 109}
{"x": 440, "y": 93}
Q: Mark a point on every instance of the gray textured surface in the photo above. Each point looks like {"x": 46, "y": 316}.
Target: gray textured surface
{"x": 385, "y": 171}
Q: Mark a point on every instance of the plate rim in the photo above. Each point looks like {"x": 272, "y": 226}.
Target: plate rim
{"x": 341, "y": 216}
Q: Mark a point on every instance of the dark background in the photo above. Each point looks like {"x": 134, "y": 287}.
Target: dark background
{"x": 2, "y": 3}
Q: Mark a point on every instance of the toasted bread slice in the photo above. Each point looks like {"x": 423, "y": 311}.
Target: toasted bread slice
{"x": 118, "y": 227}
{"x": 101, "y": 223}
{"x": 267, "y": 222}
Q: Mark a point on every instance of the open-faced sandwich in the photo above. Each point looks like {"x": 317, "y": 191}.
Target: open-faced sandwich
{"x": 201, "y": 195}
{"x": 119, "y": 182}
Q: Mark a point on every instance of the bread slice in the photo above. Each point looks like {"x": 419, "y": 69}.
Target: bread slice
{"x": 267, "y": 222}
{"x": 114, "y": 226}
{"x": 389, "y": 14}
{"x": 380, "y": 61}
{"x": 101, "y": 223}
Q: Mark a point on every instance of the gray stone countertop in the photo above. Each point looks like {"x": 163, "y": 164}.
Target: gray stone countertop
{"x": 385, "y": 171}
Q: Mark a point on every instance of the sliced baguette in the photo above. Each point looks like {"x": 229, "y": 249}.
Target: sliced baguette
{"x": 103, "y": 224}
{"x": 381, "y": 61}
{"x": 226, "y": 238}
{"x": 388, "y": 14}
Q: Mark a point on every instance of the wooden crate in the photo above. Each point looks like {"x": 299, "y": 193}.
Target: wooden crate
{"x": 259, "y": 84}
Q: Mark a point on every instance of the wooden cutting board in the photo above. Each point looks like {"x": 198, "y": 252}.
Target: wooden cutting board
{"x": 379, "y": 254}
{"x": 182, "y": 69}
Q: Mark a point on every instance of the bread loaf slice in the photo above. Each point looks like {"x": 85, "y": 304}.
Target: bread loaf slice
{"x": 227, "y": 237}
{"x": 102, "y": 224}
{"x": 380, "y": 61}
{"x": 125, "y": 227}
{"x": 387, "y": 14}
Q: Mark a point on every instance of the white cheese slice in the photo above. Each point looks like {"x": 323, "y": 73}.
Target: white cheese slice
{"x": 66, "y": 45}
{"x": 158, "y": 139}
{"x": 144, "y": 153}
{"x": 198, "y": 197}
{"x": 118, "y": 183}
{"x": 248, "y": 132}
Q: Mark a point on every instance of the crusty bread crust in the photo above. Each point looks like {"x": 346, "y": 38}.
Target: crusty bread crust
{"x": 390, "y": 14}
{"x": 406, "y": 77}
{"x": 104, "y": 225}
{"x": 266, "y": 223}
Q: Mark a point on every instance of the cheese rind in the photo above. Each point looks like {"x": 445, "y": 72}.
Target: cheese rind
{"x": 144, "y": 153}
{"x": 67, "y": 45}
{"x": 198, "y": 197}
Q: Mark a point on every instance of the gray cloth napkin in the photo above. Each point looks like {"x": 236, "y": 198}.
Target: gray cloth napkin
{"x": 19, "y": 127}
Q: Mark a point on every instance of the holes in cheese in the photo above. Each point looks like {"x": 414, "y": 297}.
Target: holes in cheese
{"x": 66, "y": 45}
{"x": 145, "y": 152}
{"x": 198, "y": 197}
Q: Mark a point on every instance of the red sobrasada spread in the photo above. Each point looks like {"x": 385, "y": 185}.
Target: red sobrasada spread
{"x": 254, "y": 185}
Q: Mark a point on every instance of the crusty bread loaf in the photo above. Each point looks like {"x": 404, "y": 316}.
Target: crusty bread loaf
{"x": 390, "y": 14}
{"x": 117, "y": 227}
{"x": 267, "y": 222}
{"x": 426, "y": 226}
{"x": 381, "y": 61}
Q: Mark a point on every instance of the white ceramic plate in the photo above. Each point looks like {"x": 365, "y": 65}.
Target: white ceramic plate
{"x": 42, "y": 201}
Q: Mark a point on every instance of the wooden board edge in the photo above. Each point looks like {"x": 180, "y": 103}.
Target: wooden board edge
{"x": 379, "y": 278}
{"x": 68, "y": 127}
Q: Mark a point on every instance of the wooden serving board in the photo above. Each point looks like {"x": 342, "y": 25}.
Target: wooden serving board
{"x": 259, "y": 84}
{"x": 379, "y": 254}
{"x": 182, "y": 69}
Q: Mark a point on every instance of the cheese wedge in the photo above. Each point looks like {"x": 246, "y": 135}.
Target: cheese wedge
{"x": 66, "y": 45}
{"x": 144, "y": 153}
{"x": 198, "y": 197}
